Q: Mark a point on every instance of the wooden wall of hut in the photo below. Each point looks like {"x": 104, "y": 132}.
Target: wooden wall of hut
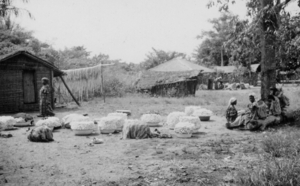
{"x": 179, "y": 89}
{"x": 20, "y": 80}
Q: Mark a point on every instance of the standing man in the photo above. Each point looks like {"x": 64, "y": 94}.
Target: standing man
{"x": 45, "y": 93}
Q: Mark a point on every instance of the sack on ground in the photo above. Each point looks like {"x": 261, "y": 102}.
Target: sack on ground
{"x": 41, "y": 134}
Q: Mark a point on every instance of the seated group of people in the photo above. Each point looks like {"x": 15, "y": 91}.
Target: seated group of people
{"x": 259, "y": 114}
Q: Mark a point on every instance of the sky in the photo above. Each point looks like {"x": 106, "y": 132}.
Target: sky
{"x": 123, "y": 29}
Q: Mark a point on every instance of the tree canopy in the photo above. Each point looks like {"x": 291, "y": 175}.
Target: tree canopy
{"x": 157, "y": 57}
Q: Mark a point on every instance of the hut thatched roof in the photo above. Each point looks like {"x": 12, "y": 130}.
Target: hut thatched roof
{"x": 56, "y": 71}
{"x": 179, "y": 65}
{"x": 150, "y": 79}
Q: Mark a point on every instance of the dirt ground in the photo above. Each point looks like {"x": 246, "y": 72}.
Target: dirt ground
{"x": 215, "y": 156}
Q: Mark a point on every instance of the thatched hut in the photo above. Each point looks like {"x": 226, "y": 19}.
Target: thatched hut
{"x": 175, "y": 78}
{"x": 171, "y": 84}
{"x": 20, "y": 79}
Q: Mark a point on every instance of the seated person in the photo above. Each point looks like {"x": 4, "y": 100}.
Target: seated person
{"x": 284, "y": 102}
{"x": 274, "y": 113}
{"x": 246, "y": 119}
{"x": 231, "y": 112}
{"x": 221, "y": 85}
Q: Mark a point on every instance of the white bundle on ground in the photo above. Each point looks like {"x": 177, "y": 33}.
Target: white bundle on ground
{"x": 151, "y": 118}
{"x": 247, "y": 85}
{"x": 202, "y": 112}
{"x": 69, "y": 119}
{"x": 191, "y": 119}
{"x": 111, "y": 123}
{"x": 173, "y": 119}
{"x": 50, "y": 122}
{"x": 184, "y": 128}
{"x": 83, "y": 82}
{"x": 83, "y": 125}
{"x": 122, "y": 115}
{"x": 7, "y": 122}
{"x": 189, "y": 110}
{"x": 19, "y": 120}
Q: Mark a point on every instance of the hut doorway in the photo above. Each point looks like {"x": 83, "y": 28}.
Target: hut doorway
{"x": 29, "y": 87}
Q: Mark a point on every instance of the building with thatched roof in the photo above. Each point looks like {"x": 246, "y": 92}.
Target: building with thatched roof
{"x": 175, "y": 78}
{"x": 180, "y": 65}
{"x": 20, "y": 79}
{"x": 172, "y": 84}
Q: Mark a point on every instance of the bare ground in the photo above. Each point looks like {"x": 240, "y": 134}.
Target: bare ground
{"x": 215, "y": 156}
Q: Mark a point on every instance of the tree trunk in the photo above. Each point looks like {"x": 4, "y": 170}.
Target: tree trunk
{"x": 268, "y": 64}
{"x": 222, "y": 60}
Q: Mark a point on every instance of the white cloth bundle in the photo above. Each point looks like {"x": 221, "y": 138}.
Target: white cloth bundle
{"x": 122, "y": 115}
{"x": 151, "y": 118}
{"x": 50, "y": 122}
{"x": 173, "y": 119}
{"x": 184, "y": 128}
{"x": 189, "y": 110}
{"x": 111, "y": 123}
{"x": 83, "y": 125}
{"x": 69, "y": 119}
{"x": 19, "y": 120}
{"x": 202, "y": 112}
{"x": 7, "y": 122}
{"x": 191, "y": 119}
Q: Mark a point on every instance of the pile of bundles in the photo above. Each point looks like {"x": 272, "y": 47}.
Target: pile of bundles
{"x": 187, "y": 123}
{"x": 236, "y": 86}
{"x": 9, "y": 122}
{"x": 113, "y": 123}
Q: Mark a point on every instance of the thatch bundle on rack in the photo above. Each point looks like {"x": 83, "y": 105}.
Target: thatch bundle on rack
{"x": 83, "y": 83}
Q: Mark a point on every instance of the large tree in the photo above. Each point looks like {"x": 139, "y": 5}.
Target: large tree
{"x": 267, "y": 14}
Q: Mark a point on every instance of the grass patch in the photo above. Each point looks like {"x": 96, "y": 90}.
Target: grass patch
{"x": 279, "y": 164}
{"x": 274, "y": 172}
{"x": 282, "y": 144}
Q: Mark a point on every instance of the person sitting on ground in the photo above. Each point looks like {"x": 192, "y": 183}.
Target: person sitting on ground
{"x": 45, "y": 93}
{"x": 231, "y": 112}
{"x": 274, "y": 113}
{"x": 247, "y": 119}
{"x": 221, "y": 85}
{"x": 284, "y": 101}
{"x": 274, "y": 106}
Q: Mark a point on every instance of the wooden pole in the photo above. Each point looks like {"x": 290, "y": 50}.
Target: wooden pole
{"x": 102, "y": 83}
{"x": 62, "y": 79}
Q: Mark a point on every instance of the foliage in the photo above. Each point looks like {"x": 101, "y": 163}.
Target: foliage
{"x": 158, "y": 57}
{"x": 8, "y": 10}
{"x": 288, "y": 42}
{"x": 213, "y": 48}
